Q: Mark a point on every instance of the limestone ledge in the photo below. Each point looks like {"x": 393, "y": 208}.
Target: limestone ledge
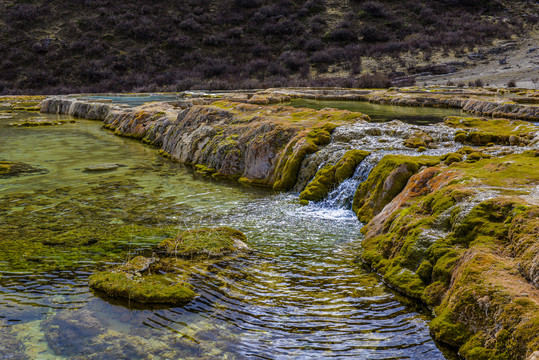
{"x": 259, "y": 145}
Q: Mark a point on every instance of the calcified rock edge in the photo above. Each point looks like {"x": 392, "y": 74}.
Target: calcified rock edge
{"x": 457, "y": 228}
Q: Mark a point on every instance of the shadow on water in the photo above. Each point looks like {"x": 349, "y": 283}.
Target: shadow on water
{"x": 300, "y": 294}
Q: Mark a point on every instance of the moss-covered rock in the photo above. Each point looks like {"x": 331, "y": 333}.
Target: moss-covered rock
{"x": 160, "y": 289}
{"x": 451, "y": 158}
{"x": 385, "y": 181}
{"x": 331, "y": 176}
{"x": 473, "y": 262}
{"x": 482, "y": 132}
{"x": 206, "y": 242}
{"x": 419, "y": 139}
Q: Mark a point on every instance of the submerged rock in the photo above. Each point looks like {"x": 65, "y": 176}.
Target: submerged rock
{"x": 16, "y": 168}
{"x": 102, "y": 167}
{"x": 71, "y": 332}
{"x": 10, "y": 347}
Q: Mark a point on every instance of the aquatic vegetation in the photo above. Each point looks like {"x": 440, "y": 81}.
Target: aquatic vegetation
{"x": 164, "y": 281}
{"x": 99, "y": 221}
{"x": 17, "y": 168}
{"x": 206, "y": 242}
{"x": 41, "y": 122}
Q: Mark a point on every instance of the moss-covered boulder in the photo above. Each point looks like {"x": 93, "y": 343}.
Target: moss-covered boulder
{"x": 159, "y": 289}
{"x": 164, "y": 280}
{"x": 419, "y": 139}
{"x": 469, "y": 254}
{"x": 385, "y": 181}
{"x": 331, "y": 176}
{"x": 205, "y": 242}
{"x": 482, "y": 132}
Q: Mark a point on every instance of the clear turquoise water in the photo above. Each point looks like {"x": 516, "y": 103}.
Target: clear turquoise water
{"x": 301, "y": 294}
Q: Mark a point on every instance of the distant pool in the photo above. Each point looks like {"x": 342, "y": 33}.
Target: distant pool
{"x": 135, "y": 100}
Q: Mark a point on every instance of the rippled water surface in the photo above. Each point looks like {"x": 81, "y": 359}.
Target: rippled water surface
{"x": 301, "y": 294}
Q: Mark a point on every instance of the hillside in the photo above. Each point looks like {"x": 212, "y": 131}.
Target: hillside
{"x": 104, "y": 45}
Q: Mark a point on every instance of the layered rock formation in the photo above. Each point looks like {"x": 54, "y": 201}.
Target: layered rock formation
{"x": 257, "y": 145}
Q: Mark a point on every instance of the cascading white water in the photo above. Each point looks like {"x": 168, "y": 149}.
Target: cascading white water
{"x": 342, "y": 196}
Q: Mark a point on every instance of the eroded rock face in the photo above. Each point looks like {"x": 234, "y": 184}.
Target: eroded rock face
{"x": 256, "y": 144}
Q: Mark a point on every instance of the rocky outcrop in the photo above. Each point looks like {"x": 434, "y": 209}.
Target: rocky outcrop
{"x": 329, "y": 177}
{"x": 73, "y": 107}
{"x": 467, "y": 252}
{"x": 257, "y": 145}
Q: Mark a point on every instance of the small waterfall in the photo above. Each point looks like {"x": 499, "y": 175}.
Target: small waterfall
{"x": 342, "y": 196}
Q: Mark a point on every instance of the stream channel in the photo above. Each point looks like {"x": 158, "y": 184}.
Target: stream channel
{"x": 303, "y": 292}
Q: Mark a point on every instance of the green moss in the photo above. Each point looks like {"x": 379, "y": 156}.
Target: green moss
{"x": 55, "y": 229}
{"x": 385, "y": 181}
{"x": 476, "y": 156}
{"x": 425, "y": 271}
{"x": 480, "y": 131}
{"x": 434, "y": 293}
{"x": 331, "y": 176}
{"x": 294, "y": 153}
{"x": 205, "y": 242}
{"x": 4, "y": 167}
{"x": 490, "y": 218}
{"x": 405, "y": 281}
{"x": 162, "y": 289}
{"x": 451, "y": 158}
{"x": 204, "y": 170}
{"x": 451, "y": 332}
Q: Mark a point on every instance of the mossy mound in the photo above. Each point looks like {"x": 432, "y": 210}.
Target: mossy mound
{"x": 482, "y": 132}
{"x": 385, "y": 181}
{"x": 451, "y": 158}
{"x": 331, "y": 176}
{"x": 155, "y": 289}
{"x": 164, "y": 280}
{"x": 205, "y": 242}
{"x": 419, "y": 139}
{"x": 473, "y": 262}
